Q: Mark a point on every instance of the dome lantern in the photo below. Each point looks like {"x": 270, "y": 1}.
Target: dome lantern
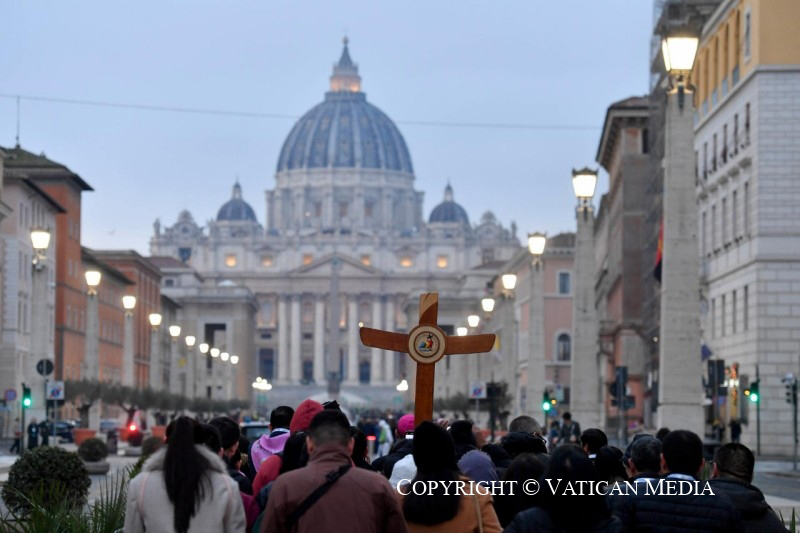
{"x": 345, "y": 76}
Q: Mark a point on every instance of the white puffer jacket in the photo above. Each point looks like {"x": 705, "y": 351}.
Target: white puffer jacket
{"x": 150, "y": 510}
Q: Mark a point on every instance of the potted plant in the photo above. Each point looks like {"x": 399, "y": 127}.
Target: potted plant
{"x": 83, "y": 394}
{"x": 49, "y": 474}
{"x": 93, "y": 451}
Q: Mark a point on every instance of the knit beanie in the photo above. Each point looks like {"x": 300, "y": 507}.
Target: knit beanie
{"x": 303, "y": 415}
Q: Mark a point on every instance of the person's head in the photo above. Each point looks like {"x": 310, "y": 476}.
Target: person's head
{"x": 329, "y": 428}
{"x": 567, "y": 416}
{"x": 229, "y": 433}
{"x": 295, "y": 452}
{"x": 303, "y": 415}
{"x": 359, "y": 444}
{"x": 517, "y": 443}
{"x": 332, "y": 405}
{"x": 592, "y": 440}
{"x": 525, "y": 424}
{"x": 608, "y": 464}
{"x": 682, "y": 453}
{"x": 734, "y": 461}
{"x": 554, "y": 424}
{"x": 405, "y": 424}
{"x": 478, "y": 466}
{"x": 661, "y": 433}
{"x": 434, "y": 454}
{"x": 643, "y": 455}
{"x": 570, "y": 464}
{"x": 184, "y": 469}
{"x": 281, "y": 417}
{"x": 210, "y": 438}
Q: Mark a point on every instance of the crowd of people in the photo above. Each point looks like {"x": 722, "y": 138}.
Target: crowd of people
{"x": 313, "y": 472}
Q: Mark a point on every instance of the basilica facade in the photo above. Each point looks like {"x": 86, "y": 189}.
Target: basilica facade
{"x": 344, "y": 243}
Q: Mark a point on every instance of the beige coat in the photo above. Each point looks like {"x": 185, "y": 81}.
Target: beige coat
{"x": 150, "y": 510}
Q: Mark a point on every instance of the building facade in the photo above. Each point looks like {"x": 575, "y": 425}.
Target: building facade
{"x": 344, "y": 243}
{"x": 747, "y": 138}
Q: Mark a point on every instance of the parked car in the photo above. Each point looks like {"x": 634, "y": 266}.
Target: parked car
{"x": 254, "y": 430}
{"x": 109, "y": 424}
{"x": 63, "y": 430}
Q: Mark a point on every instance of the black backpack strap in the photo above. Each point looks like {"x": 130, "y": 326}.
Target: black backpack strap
{"x": 330, "y": 479}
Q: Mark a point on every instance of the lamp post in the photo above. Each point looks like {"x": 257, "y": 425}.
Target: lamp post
{"x": 203, "y": 347}
{"x": 585, "y": 401}
{"x": 261, "y": 386}
{"x": 40, "y": 321}
{"x": 191, "y": 363}
{"x": 128, "y": 303}
{"x": 156, "y": 370}
{"x": 536, "y": 367}
{"x": 214, "y": 378}
{"x": 175, "y": 383}
{"x": 462, "y": 331}
{"x": 91, "y": 357}
{"x": 233, "y": 380}
{"x": 680, "y": 386}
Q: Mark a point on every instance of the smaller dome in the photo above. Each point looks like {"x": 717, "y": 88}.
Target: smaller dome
{"x": 448, "y": 211}
{"x": 236, "y": 209}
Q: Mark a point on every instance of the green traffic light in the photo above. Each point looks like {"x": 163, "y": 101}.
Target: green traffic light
{"x": 546, "y": 406}
{"x": 753, "y": 397}
{"x": 26, "y": 402}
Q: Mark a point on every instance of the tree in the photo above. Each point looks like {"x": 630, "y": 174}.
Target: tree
{"x": 82, "y": 394}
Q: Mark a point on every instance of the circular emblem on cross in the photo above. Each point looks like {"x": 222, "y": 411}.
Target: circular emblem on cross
{"x": 426, "y": 344}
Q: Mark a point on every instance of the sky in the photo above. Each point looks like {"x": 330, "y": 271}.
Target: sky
{"x": 487, "y": 67}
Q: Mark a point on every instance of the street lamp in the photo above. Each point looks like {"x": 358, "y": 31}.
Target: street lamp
{"x": 487, "y": 304}
{"x": 155, "y": 320}
{"x": 224, "y": 356}
{"x": 473, "y": 321}
{"x": 679, "y": 329}
{"x": 585, "y": 372}
{"x": 174, "y": 332}
{"x": 462, "y": 331}
{"x": 190, "y": 340}
{"x": 536, "y": 366}
{"x": 129, "y": 303}
{"x": 93, "y": 280}
{"x": 214, "y": 352}
{"x": 40, "y": 240}
{"x": 509, "y": 281}
{"x": 156, "y": 370}
{"x": 234, "y": 359}
{"x": 203, "y": 347}
{"x": 402, "y": 386}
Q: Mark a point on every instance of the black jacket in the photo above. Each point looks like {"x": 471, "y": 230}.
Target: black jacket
{"x": 657, "y": 512}
{"x": 244, "y": 483}
{"x": 385, "y": 464}
{"x": 757, "y": 515}
{"x": 538, "y": 519}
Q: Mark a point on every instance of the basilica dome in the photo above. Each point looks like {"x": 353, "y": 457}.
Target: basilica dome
{"x": 236, "y": 209}
{"x": 345, "y": 130}
{"x": 449, "y": 211}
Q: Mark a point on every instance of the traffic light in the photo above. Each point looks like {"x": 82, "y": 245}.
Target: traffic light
{"x": 26, "y": 397}
{"x": 790, "y": 382}
{"x": 752, "y": 392}
{"x": 546, "y": 405}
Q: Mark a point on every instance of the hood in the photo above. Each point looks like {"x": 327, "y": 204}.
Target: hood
{"x": 403, "y": 469}
{"x": 478, "y": 466}
{"x": 274, "y": 444}
{"x": 747, "y": 498}
{"x": 303, "y": 415}
{"x": 156, "y": 461}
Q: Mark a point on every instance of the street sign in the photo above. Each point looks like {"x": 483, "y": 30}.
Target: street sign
{"x": 10, "y": 395}
{"x": 44, "y": 367}
{"x": 55, "y": 390}
{"x": 477, "y": 390}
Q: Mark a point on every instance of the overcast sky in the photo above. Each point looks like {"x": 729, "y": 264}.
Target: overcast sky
{"x": 556, "y": 64}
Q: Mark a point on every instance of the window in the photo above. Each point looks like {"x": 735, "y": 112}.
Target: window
{"x": 308, "y": 313}
{"x": 366, "y": 260}
{"x": 442, "y": 261}
{"x": 734, "y": 215}
{"x": 363, "y": 372}
{"x": 733, "y": 318}
{"x": 406, "y": 261}
{"x": 746, "y": 125}
{"x": 645, "y": 141}
{"x": 703, "y": 230}
{"x": 563, "y": 283}
{"x": 724, "y": 222}
{"x": 722, "y": 315}
{"x": 230, "y": 260}
{"x": 714, "y": 228}
{"x": 169, "y": 282}
{"x": 748, "y": 19}
{"x": 369, "y": 209}
{"x": 308, "y": 259}
{"x": 736, "y": 134}
{"x": 563, "y": 348}
{"x": 343, "y": 209}
{"x": 714, "y": 154}
{"x": 746, "y": 310}
{"x": 724, "y": 153}
{"x": 713, "y": 318}
{"x": 308, "y": 371}
{"x": 705, "y": 160}
{"x": 747, "y": 209}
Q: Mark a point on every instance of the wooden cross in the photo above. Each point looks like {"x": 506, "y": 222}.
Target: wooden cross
{"x": 426, "y": 343}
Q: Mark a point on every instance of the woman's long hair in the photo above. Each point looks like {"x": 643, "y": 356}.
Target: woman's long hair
{"x": 435, "y": 456}
{"x": 184, "y": 470}
{"x": 295, "y": 453}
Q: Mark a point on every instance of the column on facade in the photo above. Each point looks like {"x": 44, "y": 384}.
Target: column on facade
{"x": 91, "y": 362}
{"x": 127, "y": 351}
{"x": 298, "y": 207}
{"x": 156, "y": 372}
{"x": 388, "y": 210}
{"x": 174, "y": 366}
{"x": 40, "y": 322}
{"x": 283, "y": 340}
{"x": 327, "y": 209}
{"x": 388, "y": 361}
{"x": 585, "y": 403}
{"x": 319, "y": 340}
{"x": 295, "y": 326}
{"x": 375, "y": 375}
{"x": 353, "y": 341}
